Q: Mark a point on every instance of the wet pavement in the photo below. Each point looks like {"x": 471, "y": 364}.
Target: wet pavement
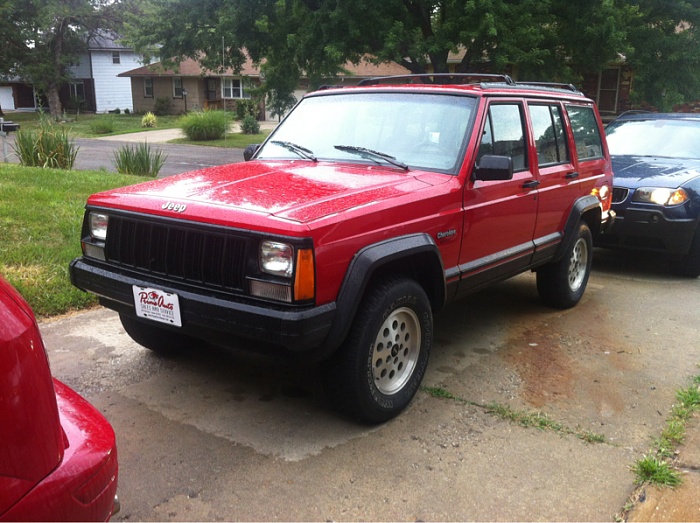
{"x": 213, "y": 435}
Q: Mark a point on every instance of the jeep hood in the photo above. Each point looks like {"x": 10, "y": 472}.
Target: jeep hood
{"x": 650, "y": 171}
{"x": 299, "y": 191}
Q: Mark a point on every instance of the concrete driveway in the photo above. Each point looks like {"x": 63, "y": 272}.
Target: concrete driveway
{"x": 222, "y": 435}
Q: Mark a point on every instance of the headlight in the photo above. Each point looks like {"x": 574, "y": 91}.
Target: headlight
{"x": 660, "y": 196}
{"x": 277, "y": 258}
{"x": 98, "y": 225}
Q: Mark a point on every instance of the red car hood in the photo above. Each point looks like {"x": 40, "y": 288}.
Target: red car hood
{"x": 297, "y": 191}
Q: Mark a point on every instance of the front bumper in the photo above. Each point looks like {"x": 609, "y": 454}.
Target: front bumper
{"x": 208, "y": 317}
{"x": 650, "y": 230}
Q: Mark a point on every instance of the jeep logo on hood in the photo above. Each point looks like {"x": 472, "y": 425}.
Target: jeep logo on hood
{"x": 176, "y": 207}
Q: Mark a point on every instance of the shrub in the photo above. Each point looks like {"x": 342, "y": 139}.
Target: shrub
{"x": 250, "y": 125}
{"x": 246, "y": 107}
{"x": 103, "y": 125}
{"x": 206, "y": 125}
{"x": 47, "y": 146}
{"x": 139, "y": 160}
{"x": 162, "y": 106}
{"x": 149, "y": 120}
{"x": 127, "y": 111}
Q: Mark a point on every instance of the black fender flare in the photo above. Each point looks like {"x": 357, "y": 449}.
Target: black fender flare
{"x": 582, "y": 206}
{"x": 365, "y": 265}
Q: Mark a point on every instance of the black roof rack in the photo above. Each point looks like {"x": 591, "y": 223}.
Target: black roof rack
{"x": 444, "y": 78}
{"x": 486, "y": 80}
{"x": 553, "y": 85}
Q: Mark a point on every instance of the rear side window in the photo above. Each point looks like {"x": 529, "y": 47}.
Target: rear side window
{"x": 550, "y": 136}
{"x": 504, "y": 134}
{"x": 586, "y": 132}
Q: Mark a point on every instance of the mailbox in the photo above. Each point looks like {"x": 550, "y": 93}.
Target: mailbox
{"x": 8, "y": 127}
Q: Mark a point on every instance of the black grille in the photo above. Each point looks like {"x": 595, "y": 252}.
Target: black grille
{"x": 209, "y": 258}
{"x": 619, "y": 194}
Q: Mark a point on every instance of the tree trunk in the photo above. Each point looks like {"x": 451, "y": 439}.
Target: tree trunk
{"x": 55, "y": 108}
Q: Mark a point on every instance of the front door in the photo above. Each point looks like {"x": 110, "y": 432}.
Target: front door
{"x": 500, "y": 216}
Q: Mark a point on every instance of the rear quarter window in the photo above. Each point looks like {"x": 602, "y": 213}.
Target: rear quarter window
{"x": 587, "y": 136}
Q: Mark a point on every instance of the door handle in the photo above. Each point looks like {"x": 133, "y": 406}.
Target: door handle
{"x": 531, "y": 184}
{"x": 572, "y": 176}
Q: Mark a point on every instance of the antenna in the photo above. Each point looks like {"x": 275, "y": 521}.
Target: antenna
{"x": 223, "y": 79}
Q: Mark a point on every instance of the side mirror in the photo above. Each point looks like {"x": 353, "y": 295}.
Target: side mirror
{"x": 250, "y": 151}
{"x": 492, "y": 167}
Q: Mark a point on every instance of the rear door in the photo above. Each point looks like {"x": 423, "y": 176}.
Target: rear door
{"x": 499, "y": 218}
{"x": 591, "y": 150}
{"x": 559, "y": 179}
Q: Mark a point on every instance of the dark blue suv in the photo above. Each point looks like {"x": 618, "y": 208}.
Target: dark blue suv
{"x": 656, "y": 186}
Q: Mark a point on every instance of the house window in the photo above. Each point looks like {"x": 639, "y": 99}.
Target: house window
{"x": 608, "y": 89}
{"x": 77, "y": 91}
{"x": 116, "y": 57}
{"x": 233, "y": 88}
{"x": 148, "y": 87}
{"x": 177, "y": 87}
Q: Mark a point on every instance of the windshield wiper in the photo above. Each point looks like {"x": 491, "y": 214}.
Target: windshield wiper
{"x": 301, "y": 151}
{"x": 371, "y": 154}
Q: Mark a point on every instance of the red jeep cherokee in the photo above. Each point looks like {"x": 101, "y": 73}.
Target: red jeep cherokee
{"x": 367, "y": 210}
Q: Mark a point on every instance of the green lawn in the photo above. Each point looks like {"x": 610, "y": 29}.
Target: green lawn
{"x": 41, "y": 213}
{"x": 232, "y": 140}
{"x": 79, "y": 125}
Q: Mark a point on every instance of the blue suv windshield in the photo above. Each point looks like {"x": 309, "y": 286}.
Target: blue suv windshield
{"x": 673, "y": 138}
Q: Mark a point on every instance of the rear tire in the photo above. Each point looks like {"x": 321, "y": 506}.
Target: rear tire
{"x": 154, "y": 338}
{"x": 376, "y": 372}
{"x": 561, "y": 284}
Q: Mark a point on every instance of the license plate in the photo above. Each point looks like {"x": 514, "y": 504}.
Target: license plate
{"x": 157, "y": 305}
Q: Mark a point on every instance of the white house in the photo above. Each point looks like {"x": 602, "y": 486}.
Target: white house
{"x": 96, "y": 85}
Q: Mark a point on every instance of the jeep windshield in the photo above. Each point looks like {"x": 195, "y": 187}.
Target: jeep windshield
{"x": 395, "y": 129}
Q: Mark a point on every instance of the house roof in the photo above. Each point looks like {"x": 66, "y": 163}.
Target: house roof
{"x": 190, "y": 67}
{"x": 105, "y": 40}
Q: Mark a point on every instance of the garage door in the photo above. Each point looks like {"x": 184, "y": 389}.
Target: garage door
{"x": 7, "y": 102}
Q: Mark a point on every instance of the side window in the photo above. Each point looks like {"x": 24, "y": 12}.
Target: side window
{"x": 550, "y": 137}
{"x": 504, "y": 134}
{"x": 586, "y": 132}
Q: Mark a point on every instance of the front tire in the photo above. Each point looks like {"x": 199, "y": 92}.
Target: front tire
{"x": 561, "y": 284}
{"x": 376, "y": 372}
{"x": 688, "y": 266}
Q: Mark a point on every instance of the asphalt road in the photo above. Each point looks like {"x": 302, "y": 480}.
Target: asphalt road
{"x": 98, "y": 154}
{"x": 221, "y": 435}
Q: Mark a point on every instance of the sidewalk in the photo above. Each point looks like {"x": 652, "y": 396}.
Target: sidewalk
{"x": 681, "y": 503}
{"x": 165, "y": 135}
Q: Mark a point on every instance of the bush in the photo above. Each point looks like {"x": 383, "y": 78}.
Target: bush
{"x": 139, "y": 160}
{"x": 207, "y": 125}
{"x": 149, "y": 120}
{"x": 250, "y": 125}
{"x": 103, "y": 125}
{"x": 162, "y": 106}
{"x": 246, "y": 107}
{"x": 47, "y": 146}
{"x": 127, "y": 111}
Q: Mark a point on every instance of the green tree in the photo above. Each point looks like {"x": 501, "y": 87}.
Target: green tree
{"x": 542, "y": 39}
{"x": 665, "y": 52}
{"x": 43, "y": 39}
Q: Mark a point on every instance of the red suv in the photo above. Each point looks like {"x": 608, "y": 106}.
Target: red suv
{"x": 365, "y": 211}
